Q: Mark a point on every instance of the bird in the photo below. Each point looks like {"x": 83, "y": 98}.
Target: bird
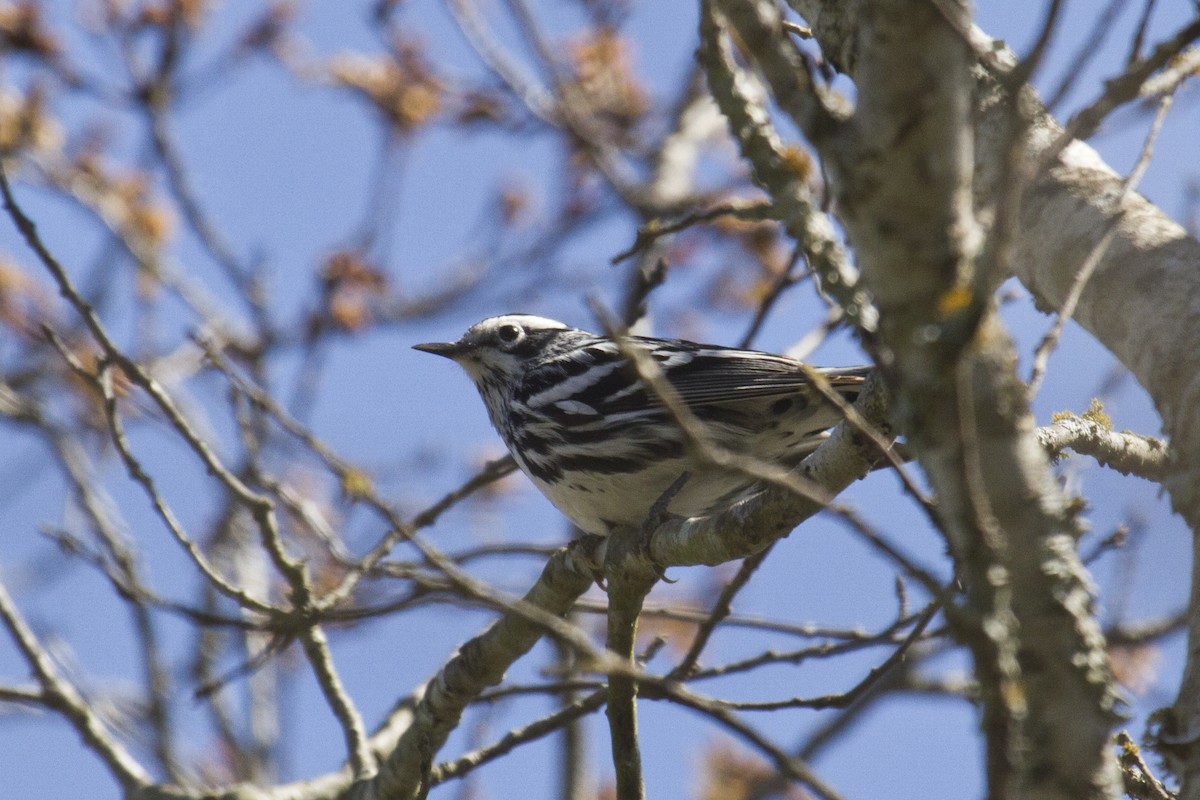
{"x": 601, "y": 445}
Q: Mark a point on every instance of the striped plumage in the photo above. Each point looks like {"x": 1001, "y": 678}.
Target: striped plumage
{"x": 598, "y": 443}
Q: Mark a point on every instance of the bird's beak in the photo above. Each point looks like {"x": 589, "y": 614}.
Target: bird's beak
{"x": 451, "y": 350}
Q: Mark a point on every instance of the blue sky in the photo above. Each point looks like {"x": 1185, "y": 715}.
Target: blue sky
{"x": 284, "y": 168}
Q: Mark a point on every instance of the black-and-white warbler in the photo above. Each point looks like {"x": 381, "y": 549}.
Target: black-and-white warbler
{"x": 600, "y": 444}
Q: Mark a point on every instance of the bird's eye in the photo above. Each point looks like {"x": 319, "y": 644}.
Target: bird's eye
{"x": 508, "y": 333}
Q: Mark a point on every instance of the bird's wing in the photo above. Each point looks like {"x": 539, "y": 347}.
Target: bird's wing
{"x": 709, "y": 375}
{"x": 723, "y": 376}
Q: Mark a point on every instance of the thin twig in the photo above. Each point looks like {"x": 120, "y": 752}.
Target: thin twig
{"x": 1139, "y": 35}
{"x": 1118, "y": 91}
{"x": 1079, "y": 60}
{"x": 720, "y": 611}
{"x": 654, "y": 230}
{"x": 352, "y": 476}
{"x": 59, "y": 694}
{"x": 786, "y": 279}
{"x": 134, "y": 371}
{"x": 316, "y": 647}
{"x": 564, "y": 716}
{"x": 1067, "y": 309}
{"x": 781, "y": 171}
{"x": 860, "y": 689}
{"x": 791, "y": 766}
{"x": 102, "y": 385}
{"x": 881, "y": 441}
{"x": 804, "y": 630}
{"x": 888, "y": 636}
{"x": 1137, "y": 772}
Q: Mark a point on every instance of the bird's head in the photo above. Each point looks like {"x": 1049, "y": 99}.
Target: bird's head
{"x": 497, "y": 351}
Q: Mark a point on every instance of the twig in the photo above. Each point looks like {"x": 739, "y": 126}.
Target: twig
{"x": 782, "y": 172}
{"x": 654, "y": 230}
{"x": 1139, "y": 35}
{"x": 258, "y": 504}
{"x": 1127, "y": 453}
{"x": 1134, "y": 634}
{"x": 1140, "y": 782}
{"x": 464, "y": 764}
{"x": 792, "y": 767}
{"x": 1181, "y": 68}
{"x": 720, "y": 611}
{"x": 553, "y": 687}
{"x": 881, "y": 441}
{"x": 536, "y": 98}
{"x": 804, "y": 630}
{"x": 786, "y": 279}
{"x": 59, "y": 694}
{"x": 276, "y": 644}
{"x": 316, "y": 647}
{"x": 103, "y": 387}
{"x": 1118, "y": 91}
{"x": 886, "y": 637}
{"x": 799, "y": 30}
{"x": 851, "y": 696}
{"x": 354, "y": 477}
{"x": 1067, "y": 309}
{"x": 24, "y": 695}
{"x": 647, "y": 275}
{"x": 177, "y": 179}
{"x": 1079, "y": 60}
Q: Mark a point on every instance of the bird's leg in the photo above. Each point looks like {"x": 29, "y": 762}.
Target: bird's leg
{"x": 657, "y": 515}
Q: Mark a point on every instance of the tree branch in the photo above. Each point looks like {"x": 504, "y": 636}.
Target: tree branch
{"x": 904, "y": 183}
{"x": 1127, "y": 453}
{"x": 478, "y": 664}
